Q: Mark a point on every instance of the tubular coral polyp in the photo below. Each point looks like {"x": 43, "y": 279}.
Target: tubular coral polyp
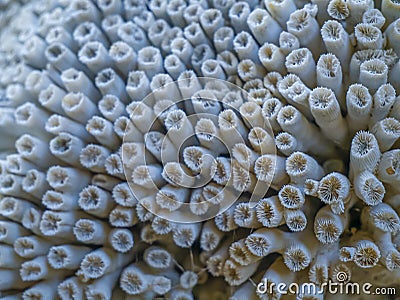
{"x": 192, "y": 149}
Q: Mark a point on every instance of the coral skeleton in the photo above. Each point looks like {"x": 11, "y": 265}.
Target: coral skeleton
{"x": 197, "y": 149}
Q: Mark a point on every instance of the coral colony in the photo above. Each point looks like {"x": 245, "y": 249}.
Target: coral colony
{"x": 193, "y": 149}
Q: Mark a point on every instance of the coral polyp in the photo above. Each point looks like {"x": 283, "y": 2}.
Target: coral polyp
{"x": 198, "y": 149}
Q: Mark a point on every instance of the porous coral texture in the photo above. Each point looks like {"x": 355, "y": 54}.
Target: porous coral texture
{"x": 192, "y": 149}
